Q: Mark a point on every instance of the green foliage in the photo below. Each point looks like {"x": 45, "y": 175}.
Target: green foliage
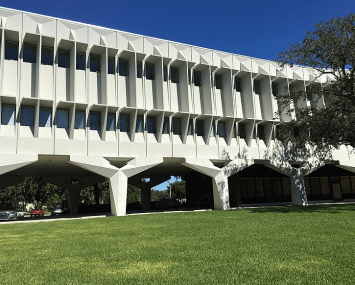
{"x": 33, "y": 190}
{"x": 290, "y": 245}
{"x": 178, "y": 190}
{"x": 88, "y": 196}
{"x": 329, "y": 50}
{"x": 157, "y": 195}
{"x": 133, "y": 194}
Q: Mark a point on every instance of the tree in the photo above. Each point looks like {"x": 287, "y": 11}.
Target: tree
{"x": 330, "y": 119}
{"x": 133, "y": 194}
{"x": 178, "y": 190}
{"x": 33, "y": 190}
{"x": 92, "y": 197}
{"x": 157, "y": 195}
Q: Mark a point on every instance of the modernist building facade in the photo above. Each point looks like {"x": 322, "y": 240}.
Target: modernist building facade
{"x": 80, "y": 102}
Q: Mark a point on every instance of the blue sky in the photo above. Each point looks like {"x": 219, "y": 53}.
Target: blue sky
{"x": 255, "y": 28}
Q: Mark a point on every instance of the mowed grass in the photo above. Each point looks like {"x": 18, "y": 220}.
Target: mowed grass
{"x": 309, "y": 245}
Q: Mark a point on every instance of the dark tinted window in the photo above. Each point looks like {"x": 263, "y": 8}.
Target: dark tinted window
{"x": 29, "y": 53}
{"x": 47, "y": 56}
{"x": 221, "y": 129}
{"x": 123, "y": 67}
{"x": 218, "y": 81}
{"x": 197, "y": 78}
{"x": 139, "y": 124}
{"x": 190, "y": 130}
{"x": 124, "y": 123}
{"x": 238, "y": 84}
{"x": 149, "y": 71}
{"x": 27, "y": 115}
{"x": 62, "y": 118}
{"x": 11, "y": 50}
{"x": 45, "y": 117}
{"x": 261, "y": 132}
{"x": 174, "y": 75}
{"x": 177, "y": 126}
{"x": 95, "y": 63}
{"x": 111, "y": 65}
{"x": 111, "y": 122}
{"x": 166, "y": 125}
{"x": 257, "y": 87}
{"x": 241, "y": 129}
{"x": 95, "y": 122}
{"x": 80, "y": 61}
{"x": 139, "y": 70}
{"x": 275, "y": 90}
{"x": 200, "y": 128}
{"x": 234, "y": 132}
{"x": 79, "y": 119}
{"x": 151, "y": 124}
{"x": 63, "y": 58}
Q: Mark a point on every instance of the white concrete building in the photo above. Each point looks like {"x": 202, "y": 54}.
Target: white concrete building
{"x": 80, "y": 102}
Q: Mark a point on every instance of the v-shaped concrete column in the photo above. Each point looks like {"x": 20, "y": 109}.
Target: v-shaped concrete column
{"x": 73, "y": 189}
{"x": 146, "y": 189}
{"x": 118, "y": 177}
{"x": 220, "y": 180}
{"x": 298, "y": 190}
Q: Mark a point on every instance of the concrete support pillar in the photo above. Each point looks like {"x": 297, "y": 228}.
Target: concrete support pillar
{"x": 298, "y": 190}
{"x": 219, "y": 178}
{"x": 146, "y": 197}
{"x": 74, "y": 197}
{"x": 118, "y": 177}
{"x": 220, "y": 192}
{"x": 73, "y": 189}
{"x": 118, "y": 193}
{"x": 146, "y": 188}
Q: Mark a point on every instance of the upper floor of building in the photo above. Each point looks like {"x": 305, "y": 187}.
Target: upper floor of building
{"x": 63, "y": 80}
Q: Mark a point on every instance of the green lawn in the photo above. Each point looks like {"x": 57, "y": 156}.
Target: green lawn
{"x": 310, "y": 245}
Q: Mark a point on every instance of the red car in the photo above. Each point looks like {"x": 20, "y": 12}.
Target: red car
{"x": 37, "y": 212}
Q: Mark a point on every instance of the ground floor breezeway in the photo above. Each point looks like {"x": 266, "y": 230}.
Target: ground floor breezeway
{"x": 215, "y": 184}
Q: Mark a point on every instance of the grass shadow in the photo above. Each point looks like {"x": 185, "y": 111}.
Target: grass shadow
{"x": 332, "y": 209}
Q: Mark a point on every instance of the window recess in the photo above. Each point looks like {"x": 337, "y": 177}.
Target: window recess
{"x": 200, "y": 128}
{"x": 111, "y": 122}
{"x": 47, "y": 55}
{"x": 124, "y": 123}
{"x": 257, "y": 87}
{"x": 95, "y": 61}
{"x": 151, "y": 124}
{"x": 238, "y": 84}
{"x": 218, "y": 81}
{"x": 29, "y": 53}
{"x": 11, "y": 50}
{"x": 80, "y": 61}
{"x": 8, "y": 114}
{"x": 197, "y": 78}
{"x": 79, "y": 120}
{"x": 123, "y": 67}
{"x": 149, "y": 71}
{"x": 45, "y": 117}
{"x": 63, "y": 58}
{"x": 174, "y": 75}
{"x": 95, "y": 122}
